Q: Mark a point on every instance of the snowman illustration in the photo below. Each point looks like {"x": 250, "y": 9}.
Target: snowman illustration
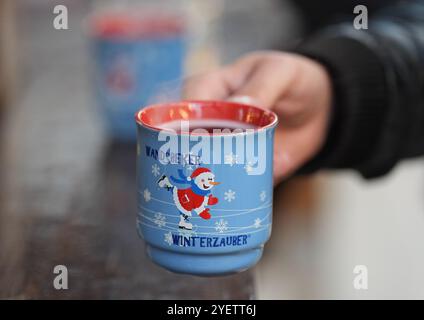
{"x": 195, "y": 198}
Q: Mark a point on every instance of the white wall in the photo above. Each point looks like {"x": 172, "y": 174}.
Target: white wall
{"x": 379, "y": 224}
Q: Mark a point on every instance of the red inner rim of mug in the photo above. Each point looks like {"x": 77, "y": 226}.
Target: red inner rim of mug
{"x": 156, "y": 115}
{"x": 126, "y": 25}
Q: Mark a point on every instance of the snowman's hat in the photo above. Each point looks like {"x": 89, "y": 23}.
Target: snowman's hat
{"x": 197, "y": 172}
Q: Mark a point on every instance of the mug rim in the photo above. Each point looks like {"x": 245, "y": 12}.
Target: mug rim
{"x": 137, "y": 25}
{"x": 140, "y": 116}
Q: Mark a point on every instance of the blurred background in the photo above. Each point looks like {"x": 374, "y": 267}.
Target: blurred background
{"x": 67, "y": 174}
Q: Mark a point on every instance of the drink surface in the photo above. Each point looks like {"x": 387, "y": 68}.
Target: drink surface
{"x": 207, "y": 124}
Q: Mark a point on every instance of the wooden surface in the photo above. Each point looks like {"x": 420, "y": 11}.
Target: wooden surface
{"x": 67, "y": 194}
{"x": 95, "y": 238}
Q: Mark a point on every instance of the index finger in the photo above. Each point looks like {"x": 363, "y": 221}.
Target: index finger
{"x": 221, "y": 83}
{"x": 215, "y": 85}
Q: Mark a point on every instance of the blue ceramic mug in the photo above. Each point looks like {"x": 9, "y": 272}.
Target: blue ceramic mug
{"x": 139, "y": 57}
{"x": 204, "y": 177}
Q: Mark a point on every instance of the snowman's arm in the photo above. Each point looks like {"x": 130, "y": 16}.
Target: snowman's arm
{"x": 202, "y": 206}
{"x": 212, "y": 200}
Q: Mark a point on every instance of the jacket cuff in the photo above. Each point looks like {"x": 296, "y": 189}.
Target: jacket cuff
{"x": 359, "y": 101}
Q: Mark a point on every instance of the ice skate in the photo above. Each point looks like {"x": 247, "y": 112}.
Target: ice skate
{"x": 164, "y": 182}
{"x": 184, "y": 224}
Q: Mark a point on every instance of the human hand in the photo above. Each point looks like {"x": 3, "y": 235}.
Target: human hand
{"x": 297, "y": 88}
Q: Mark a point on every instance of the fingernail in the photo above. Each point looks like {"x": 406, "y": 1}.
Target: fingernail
{"x": 243, "y": 99}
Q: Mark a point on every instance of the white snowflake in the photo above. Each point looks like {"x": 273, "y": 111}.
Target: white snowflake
{"x": 155, "y": 170}
{"x": 230, "y": 159}
{"x": 147, "y": 195}
{"x": 249, "y": 167}
{"x": 168, "y": 238}
{"x": 257, "y": 223}
{"x": 229, "y": 195}
{"x": 221, "y": 225}
{"x": 262, "y": 196}
{"x": 189, "y": 168}
{"x": 160, "y": 219}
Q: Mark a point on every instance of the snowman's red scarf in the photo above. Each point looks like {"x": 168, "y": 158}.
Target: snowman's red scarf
{"x": 183, "y": 180}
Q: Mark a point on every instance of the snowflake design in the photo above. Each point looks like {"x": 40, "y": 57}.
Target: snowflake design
{"x": 160, "y": 219}
{"x": 189, "y": 168}
{"x": 155, "y": 170}
{"x": 147, "y": 195}
{"x": 221, "y": 226}
{"x": 249, "y": 167}
{"x": 230, "y": 159}
{"x": 262, "y": 196}
{"x": 168, "y": 238}
{"x": 229, "y": 195}
{"x": 257, "y": 223}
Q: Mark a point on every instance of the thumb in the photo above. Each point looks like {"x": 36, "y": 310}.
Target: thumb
{"x": 265, "y": 84}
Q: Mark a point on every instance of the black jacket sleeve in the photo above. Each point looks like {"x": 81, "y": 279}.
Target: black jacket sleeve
{"x": 378, "y": 80}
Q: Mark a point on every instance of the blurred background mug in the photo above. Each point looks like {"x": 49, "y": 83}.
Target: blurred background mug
{"x": 204, "y": 176}
{"x": 139, "y": 58}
